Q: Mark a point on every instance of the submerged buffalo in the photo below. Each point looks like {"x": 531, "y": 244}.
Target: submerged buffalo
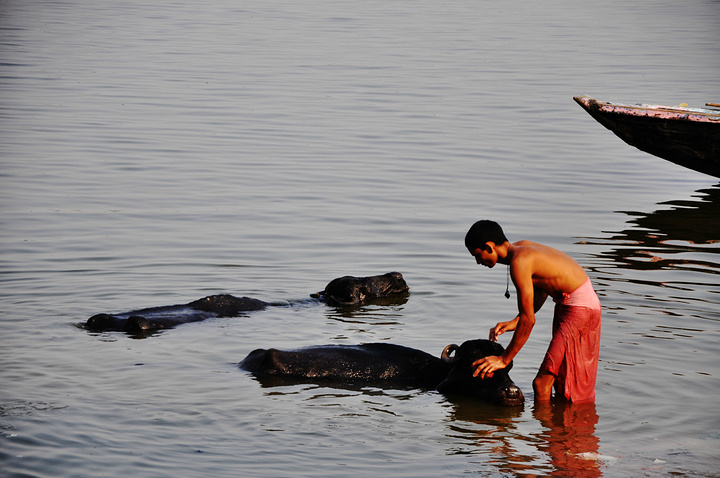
{"x": 155, "y": 318}
{"x": 343, "y": 291}
{"x": 389, "y": 364}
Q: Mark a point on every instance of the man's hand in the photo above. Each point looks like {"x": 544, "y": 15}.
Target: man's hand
{"x": 502, "y": 327}
{"x": 487, "y": 365}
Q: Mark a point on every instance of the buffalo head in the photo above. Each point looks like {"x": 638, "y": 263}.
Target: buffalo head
{"x": 349, "y": 290}
{"x": 499, "y": 388}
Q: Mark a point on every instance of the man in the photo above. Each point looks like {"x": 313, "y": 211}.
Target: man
{"x": 539, "y": 271}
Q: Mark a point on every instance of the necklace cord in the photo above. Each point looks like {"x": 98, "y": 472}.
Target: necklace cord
{"x": 507, "y": 287}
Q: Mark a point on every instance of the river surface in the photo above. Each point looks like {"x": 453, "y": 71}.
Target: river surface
{"x": 152, "y": 153}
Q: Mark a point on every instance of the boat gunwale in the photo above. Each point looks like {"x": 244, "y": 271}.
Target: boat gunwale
{"x": 700, "y": 115}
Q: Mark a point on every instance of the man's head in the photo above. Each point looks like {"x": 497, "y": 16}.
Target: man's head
{"x": 482, "y": 241}
{"x": 483, "y": 232}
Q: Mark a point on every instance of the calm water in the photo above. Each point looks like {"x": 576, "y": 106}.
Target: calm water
{"x": 152, "y": 153}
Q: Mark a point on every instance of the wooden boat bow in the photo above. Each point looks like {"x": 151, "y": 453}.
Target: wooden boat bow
{"x": 689, "y": 137}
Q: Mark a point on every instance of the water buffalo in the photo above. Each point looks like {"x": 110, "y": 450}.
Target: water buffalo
{"x": 499, "y": 388}
{"x": 155, "y": 318}
{"x": 389, "y": 364}
{"x": 346, "y": 290}
{"x": 351, "y": 290}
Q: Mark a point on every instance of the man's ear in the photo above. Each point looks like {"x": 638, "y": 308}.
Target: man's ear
{"x": 489, "y": 247}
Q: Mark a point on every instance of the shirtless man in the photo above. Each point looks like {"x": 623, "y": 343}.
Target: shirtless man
{"x": 539, "y": 271}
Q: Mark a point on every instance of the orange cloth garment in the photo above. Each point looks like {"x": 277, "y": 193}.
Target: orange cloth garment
{"x": 572, "y": 355}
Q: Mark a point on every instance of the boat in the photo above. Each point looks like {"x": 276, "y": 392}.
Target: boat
{"x": 686, "y": 136}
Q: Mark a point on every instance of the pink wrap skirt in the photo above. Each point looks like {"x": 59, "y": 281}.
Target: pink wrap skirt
{"x": 575, "y": 346}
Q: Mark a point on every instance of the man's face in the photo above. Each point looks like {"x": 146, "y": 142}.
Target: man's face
{"x": 485, "y": 256}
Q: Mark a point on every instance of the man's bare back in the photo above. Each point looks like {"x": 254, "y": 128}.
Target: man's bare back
{"x": 551, "y": 271}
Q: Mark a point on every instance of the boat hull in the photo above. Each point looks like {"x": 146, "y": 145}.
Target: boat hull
{"x": 688, "y": 137}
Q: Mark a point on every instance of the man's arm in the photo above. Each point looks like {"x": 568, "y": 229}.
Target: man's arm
{"x": 502, "y": 327}
{"x": 522, "y": 278}
{"x": 528, "y": 303}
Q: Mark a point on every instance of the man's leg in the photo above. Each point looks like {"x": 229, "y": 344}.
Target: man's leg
{"x": 543, "y": 385}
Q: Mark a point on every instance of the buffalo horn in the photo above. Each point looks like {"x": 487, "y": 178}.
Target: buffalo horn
{"x": 445, "y": 356}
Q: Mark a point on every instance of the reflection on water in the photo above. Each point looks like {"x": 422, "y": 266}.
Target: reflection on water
{"x": 683, "y": 237}
{"x": 560, "y": 439}
{"x": 486, "y": 429}
{"x": 360, "y": 319}
{"x": 383, "y": 307}
{"x": 665, "y": 263}
{"x": 566, "y": 444}
{"x": 327, "y": 389}
{"x": 569, "y": 438}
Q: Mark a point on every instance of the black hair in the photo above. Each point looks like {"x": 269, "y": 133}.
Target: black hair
{"x": 483, "y": 232}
